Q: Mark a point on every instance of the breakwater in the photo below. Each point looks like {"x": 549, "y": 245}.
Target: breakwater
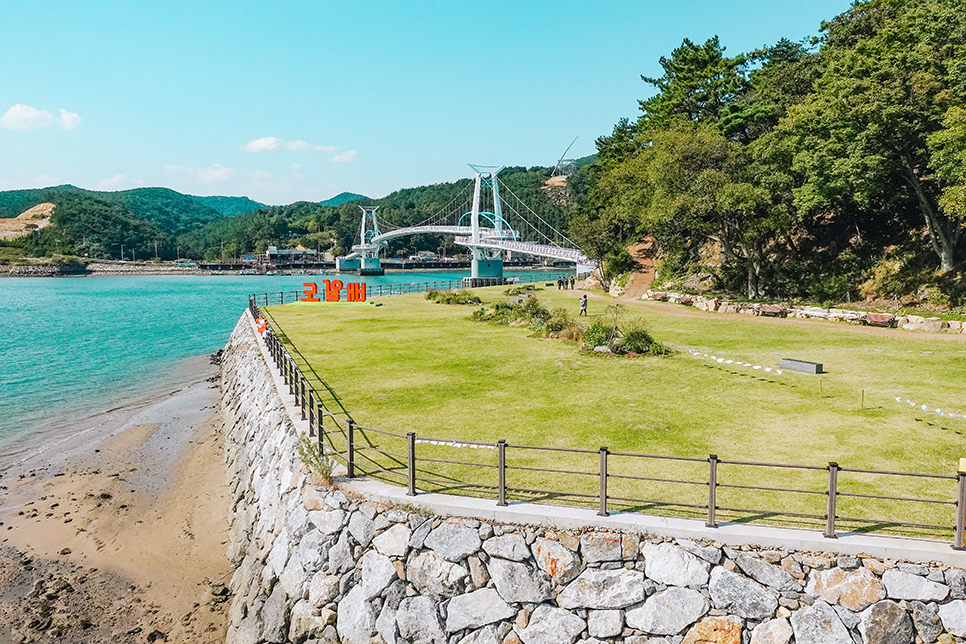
{"x": 350, "y": 564}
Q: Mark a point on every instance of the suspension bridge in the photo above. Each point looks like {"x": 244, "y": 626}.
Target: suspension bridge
{"x": 484, "y": 220}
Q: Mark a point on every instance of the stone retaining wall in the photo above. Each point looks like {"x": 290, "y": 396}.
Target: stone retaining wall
{"x": 718, "y": 305}
{"x": 324, "y": 565}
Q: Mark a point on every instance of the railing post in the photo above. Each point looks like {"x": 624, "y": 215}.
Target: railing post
{"x": 603, "y": 483}
{"x": 350, "y": 460}
{"x": 291, "y": 376}
{"x": 320, "y": 420}
{"x": 501, "y": 468}
{"x": 712, "y": 490}
{"x": 961, "y": 508}
{"x": 411, "y": 451}
{"x": 311, "y": 406}
{"x": 833, "y": 475}
{"x": 302, "y": 396}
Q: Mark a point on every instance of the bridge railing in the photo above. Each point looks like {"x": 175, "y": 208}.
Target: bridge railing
{"x": 383, "y": 290}
{"x": 827, "y": 498}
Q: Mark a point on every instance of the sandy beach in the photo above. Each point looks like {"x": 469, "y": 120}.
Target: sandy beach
{"x": 119, "y": 535}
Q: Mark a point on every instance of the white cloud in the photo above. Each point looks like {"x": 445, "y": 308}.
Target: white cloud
{"x": 24, "y": 118}
{"x": 273, "y": 143}
{"x": 113, "y": 182}
{"x": 346, "y": 157}
{"x": 69, "y": 120}
{"x": 296, "y": 166}
{"x": 215, "y": 173}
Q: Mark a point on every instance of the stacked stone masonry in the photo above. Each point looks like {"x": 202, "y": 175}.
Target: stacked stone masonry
{"x": 717, "y": 305}
{"x": 317, "y": 564}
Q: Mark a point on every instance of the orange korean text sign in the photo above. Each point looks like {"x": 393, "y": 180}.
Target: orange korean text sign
{"x": 354, "y": 291}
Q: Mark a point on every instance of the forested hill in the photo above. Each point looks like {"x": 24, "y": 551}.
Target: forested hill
{"x": 149, "y": 222}
{"x": 342, "y": 198}
{"x": 230, "y": 206}
{"x": 171, "y": 212}
{"x": 336, "y": 227}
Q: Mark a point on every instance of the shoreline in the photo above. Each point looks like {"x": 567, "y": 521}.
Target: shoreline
{"x": 120, "y": 535}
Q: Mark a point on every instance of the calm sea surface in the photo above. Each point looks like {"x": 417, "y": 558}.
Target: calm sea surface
{"x": 79, "y": 346}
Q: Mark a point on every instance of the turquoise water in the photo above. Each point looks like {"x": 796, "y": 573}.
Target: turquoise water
{"x": 79, "y": 346}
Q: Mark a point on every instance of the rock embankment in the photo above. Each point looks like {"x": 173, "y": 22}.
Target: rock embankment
{"x": 718, "y": 305}
{"x": 324, "y": 565}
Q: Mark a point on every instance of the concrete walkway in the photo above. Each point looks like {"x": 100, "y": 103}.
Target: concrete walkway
{"x": 572, "y": 518}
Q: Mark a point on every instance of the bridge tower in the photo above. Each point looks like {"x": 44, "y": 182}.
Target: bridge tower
{"x": 369, "y": 260}
{"x": 486, "y": 262}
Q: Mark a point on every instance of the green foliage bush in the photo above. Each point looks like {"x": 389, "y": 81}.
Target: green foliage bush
{"x": 318, "y": 463}
{"x": 598, "y": 334}
{"x": 462, "y": 296}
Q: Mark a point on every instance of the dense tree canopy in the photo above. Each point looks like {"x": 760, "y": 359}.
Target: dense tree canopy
{"x": 805, "y": 164}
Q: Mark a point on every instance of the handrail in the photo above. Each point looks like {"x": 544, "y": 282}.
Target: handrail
{"x": 406, "y": 464}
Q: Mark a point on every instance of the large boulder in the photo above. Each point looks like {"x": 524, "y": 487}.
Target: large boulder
{"x": 601, "y": 546}
{"x": 774, "y": 631}
{"x": 668, "y": 564}
{"x": 378, "y": 572}
{"x": 549, "y": 625}
{"x": 819, "y": 624}
{"x": 453, "y": 541}
{"x": 953, "y": 616}
{"x": 356, "y": 621}
{"x": 435, "y": 577}
{"x": 510, "y": 546}
{"x": 561, "y": 563}
{"x": 885, "y": 622}
{"x": 604, "y": 589}
{"x": 394, "y": 542}
{"x": 854, "y": 589}
{"x": 417, "y": 620}
{"x": 763, "y": 572}
{"x": 668, "y": 612}
{"x": 902, "y": 585}
{"x": 476, "y": 609}
{"x": 741, "y": 596}
{"x": 715, "y": 630}
{"x": 520, "y": 582}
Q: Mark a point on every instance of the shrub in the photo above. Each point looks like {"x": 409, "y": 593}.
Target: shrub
{"x": 524, "y": 289}
{"x": 636, "y": 339}
{"x": 597, "y": 334}
{"x": 462, "y": 296}
{"x": 318, "y": 463}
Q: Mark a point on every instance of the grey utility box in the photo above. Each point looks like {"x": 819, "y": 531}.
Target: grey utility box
{"x": 800, "y": 365}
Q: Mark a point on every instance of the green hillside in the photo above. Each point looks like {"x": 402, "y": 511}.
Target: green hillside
{"x": 170, "y": 211}
{"x": 230, "y": 206}
{"x": 342, "y": 198}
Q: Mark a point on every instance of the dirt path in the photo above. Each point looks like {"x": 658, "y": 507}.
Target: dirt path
{"x": 668, "y": 308}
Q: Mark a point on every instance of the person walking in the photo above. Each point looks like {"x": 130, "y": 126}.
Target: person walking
{"x": 583, "y": 305}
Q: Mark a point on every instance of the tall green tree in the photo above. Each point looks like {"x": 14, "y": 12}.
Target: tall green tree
{"x": 892, "y": 69}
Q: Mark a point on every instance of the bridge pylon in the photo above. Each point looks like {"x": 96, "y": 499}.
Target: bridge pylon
{"x": 486, "y": 262}
{"x": 365, "y": 255}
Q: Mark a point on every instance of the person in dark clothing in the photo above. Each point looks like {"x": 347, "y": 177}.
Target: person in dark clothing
{"x": 583, "y": 305}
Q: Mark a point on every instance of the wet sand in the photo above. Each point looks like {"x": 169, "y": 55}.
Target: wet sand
{"x": 119, "y": 535}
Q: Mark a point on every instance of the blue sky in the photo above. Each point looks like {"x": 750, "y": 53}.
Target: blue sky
{"x": 286, "y": 101}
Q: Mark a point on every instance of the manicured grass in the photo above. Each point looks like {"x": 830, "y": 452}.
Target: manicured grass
{"x": 415, "y": 366}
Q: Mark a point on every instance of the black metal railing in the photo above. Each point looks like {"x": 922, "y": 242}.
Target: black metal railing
{"x": 646, "y": 483}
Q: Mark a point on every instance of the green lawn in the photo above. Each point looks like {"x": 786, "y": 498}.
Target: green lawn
{"x": 413, "y": 365}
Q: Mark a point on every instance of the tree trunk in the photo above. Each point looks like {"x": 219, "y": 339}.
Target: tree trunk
{"x": 943, "y": 232}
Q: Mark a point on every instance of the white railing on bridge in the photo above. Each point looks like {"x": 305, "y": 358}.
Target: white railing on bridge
{"x": 542, "y": 250}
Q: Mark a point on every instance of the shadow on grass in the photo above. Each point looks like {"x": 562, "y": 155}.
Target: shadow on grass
{"x": 332, "y": 402}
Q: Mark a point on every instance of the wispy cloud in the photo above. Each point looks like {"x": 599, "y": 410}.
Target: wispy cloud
{"x": 346, "y": 157}
{"x": 273, "y": 143}
{"x": 69, "y": 120}
{"x": 25, "y": 118}
{"x": 113, "y": 182}
{"x": 211, "y": 174}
